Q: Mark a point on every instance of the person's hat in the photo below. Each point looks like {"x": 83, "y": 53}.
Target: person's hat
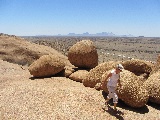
{"x": 120, "y": 67}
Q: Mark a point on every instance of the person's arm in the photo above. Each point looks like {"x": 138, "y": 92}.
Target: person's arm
{"x": 119, "y": 83}
{"x": 105, "y": 78}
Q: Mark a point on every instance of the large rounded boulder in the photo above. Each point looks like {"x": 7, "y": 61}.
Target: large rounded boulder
{"x": 138, "y": 67}
{"x": 46, "y": 66}
{"x": 95, "y": 75}
{"x": 156, "y": 66}
{"x": 152, "y": 85}
{"x": 132, "y": 92}
{"x": 83, "y": 54}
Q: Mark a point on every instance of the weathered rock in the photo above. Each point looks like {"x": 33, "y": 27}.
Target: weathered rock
{"x": 152, "y": 85}
{"x": 95, "y": 75}
{"x": 98, "y": 86}
{"x": 68, "y": 71}
{"x": 156, "y": 66}
{"x": 79, "y": 75}
{"x": 46, "y": 65}
{"x": 83, "y": 54}
{"x": 138, "y": 67}
{"x": 132, "y": 92}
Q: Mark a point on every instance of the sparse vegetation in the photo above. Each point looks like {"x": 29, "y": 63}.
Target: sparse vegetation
{"x": 137, "y": 48}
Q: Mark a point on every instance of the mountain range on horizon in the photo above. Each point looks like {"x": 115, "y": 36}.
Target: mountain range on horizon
{"x": 109, "y": 34}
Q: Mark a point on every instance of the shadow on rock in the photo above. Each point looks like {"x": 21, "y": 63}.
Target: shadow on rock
{"x": 154, "y": 105}
{"x": 122, "y": 105}
{"x": 36, "y": 78}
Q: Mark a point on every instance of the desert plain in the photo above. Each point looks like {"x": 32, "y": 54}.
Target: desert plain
{"x": 108, "y": 48}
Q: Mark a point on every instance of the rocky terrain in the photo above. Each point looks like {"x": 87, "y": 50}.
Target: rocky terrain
{"x": 57, "y": 97}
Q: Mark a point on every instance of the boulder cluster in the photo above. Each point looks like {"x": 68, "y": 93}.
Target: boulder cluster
{"x": 140, "y": 80}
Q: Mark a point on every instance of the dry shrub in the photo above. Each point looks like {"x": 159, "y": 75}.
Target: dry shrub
{"x": 47, "y": 65}
{"x": 152, "y": 85}
{"x": 83, "y": 54}
{"x": 95, "y": 75}
{"x": 138, "y": 67}
{"x": 79, "y": 75}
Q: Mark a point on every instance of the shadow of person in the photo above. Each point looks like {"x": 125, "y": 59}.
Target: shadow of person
{"x": 116, "y": 113}
{"x": 154, "y": 105}
{"x": 104, "y": 95}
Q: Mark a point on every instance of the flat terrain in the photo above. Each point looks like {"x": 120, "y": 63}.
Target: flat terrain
{"x": 109, "y": 48}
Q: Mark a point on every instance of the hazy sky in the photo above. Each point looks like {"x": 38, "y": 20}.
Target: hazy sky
{"x": 52, "y": 17}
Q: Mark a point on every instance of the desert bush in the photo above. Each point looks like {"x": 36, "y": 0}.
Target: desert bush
{"x": 47, "y": 65}
{"x": 83, "y": 54}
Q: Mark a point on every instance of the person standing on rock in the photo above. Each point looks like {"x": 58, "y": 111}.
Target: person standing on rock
{"x": 113, "y": 78}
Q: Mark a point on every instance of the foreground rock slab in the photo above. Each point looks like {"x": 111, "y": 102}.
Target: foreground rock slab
{"x": 57, "y": 98}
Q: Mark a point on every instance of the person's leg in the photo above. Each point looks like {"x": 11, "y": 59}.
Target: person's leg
{"x": 115, "y": 99}
{"x": 109, "y": 95}
{"x": 115, "y": 105}
{"x": 106, "y": 102}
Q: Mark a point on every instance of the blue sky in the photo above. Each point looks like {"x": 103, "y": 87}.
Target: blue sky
{"x": 52, "y": 17}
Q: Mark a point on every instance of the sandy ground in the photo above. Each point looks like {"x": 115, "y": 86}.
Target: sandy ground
{"x": 25, "y": 98}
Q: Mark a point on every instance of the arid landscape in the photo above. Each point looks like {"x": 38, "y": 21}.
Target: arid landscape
{"x": 108, "y": 48}
{"x": 58, "y": 97}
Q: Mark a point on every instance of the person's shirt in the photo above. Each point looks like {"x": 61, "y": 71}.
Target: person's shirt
{"x": 113, "y": 79}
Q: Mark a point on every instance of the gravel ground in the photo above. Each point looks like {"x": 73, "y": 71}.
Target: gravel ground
{"x": 58, "y": 98}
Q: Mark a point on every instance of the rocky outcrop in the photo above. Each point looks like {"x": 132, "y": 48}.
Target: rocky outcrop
{"x": 83, "y": 54}
{"x": 20, "y": 51}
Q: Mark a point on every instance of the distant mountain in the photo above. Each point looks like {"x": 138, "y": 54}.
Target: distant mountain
{"x": 108, "y": 34}
{"x": 88, "y": 34}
